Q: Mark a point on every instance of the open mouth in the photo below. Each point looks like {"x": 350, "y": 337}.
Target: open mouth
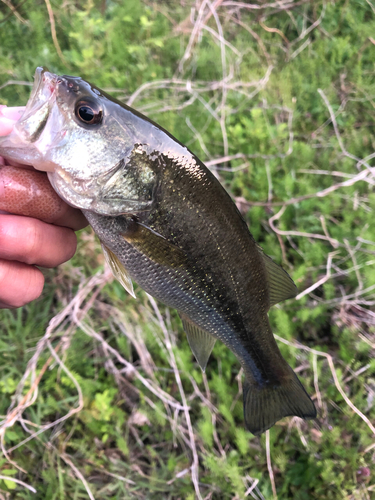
{"x": 22, "y": 140}
{"x": 35, "y": 116}
{"x": 44, "y": 85}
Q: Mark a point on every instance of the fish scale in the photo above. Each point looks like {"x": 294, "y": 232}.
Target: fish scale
{"x": 166, "y": 223}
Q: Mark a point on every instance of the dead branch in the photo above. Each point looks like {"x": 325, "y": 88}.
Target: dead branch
{"x": 14, "y": 11}
{"x": 329, "y": 359}
{"x": 195, "y": 464}
{"x": 53, "y": 32}
{"x": 269, "y": 465}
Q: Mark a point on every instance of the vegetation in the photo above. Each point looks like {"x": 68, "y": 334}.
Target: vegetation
{"x": 101, "y": 397}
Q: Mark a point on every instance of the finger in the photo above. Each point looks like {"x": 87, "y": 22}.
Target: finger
{"x": 19, "y": 284}
{"x": 12, "y": 112}
{"x": 35, "y": 242}
{"x": 71, "y": 217}
{"x": 6, "y": 126}
{"x": 8, "y": 117}
{"x": 28, "y": 192}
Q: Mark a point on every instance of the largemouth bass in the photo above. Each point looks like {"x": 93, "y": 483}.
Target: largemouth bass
{"x": 166, "y": 223}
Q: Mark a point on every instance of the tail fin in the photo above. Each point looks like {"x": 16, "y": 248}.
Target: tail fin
{"x": 264, "y": 406}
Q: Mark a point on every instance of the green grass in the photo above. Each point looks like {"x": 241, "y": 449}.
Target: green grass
{"x": 115, "y": 373}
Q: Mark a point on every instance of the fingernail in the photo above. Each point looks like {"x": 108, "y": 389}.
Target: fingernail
{"x": 2, "y": 190}
{"x": 12, "y": 113}
{"x": 6, "y": 125}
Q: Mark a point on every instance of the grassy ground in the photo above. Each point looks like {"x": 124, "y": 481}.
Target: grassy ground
{"x": 101, "y": 397}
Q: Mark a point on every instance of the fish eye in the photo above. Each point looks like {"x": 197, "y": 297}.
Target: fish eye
{"x": 89, "y": 113}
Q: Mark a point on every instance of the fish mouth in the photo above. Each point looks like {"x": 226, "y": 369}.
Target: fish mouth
{"x": 31, "y": 124}
{"x": 22, "y": 145}
{"x": 44, "y": 81}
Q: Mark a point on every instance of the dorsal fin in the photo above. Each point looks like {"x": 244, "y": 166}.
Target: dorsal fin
{"x": 200, "y": 341}
{"x": 118, "y": 270}
{"x": 280, "y": 284}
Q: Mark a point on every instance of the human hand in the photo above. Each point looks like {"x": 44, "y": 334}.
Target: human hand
{"x": 36, "y": 226}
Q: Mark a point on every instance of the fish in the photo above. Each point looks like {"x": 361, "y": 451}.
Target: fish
{"x": 166, "y": 223}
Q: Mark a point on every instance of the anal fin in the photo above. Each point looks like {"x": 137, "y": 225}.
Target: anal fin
{"x": 200, "y": 341}
{"x": 118, "y": 270}
{"x": 280, "y": 284}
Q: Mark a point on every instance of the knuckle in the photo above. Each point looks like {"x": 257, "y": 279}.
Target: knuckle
{"x": 35, "y": 285}
{"x": 71, "y": 245}
{"x": 3, "y": 273}
{"x": 32, "y": 241}
{"x": 3, "y": 235}
{"x": 61, "y": 247}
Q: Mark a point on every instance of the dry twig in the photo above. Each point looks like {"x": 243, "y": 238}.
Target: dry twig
{"x": 53, "y": 32}
{"x": 329, "y": 359}
{"x": 269, "y": 465}
{"x": 195, "y": 464}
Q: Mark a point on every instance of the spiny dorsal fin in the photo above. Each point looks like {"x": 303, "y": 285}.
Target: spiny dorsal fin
{"x": 200, "y": 341}
{"x": 118, "y": 270}
{"x": 280, "y": 284}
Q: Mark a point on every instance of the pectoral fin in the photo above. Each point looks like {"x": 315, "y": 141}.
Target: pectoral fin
{"x": 280, "y": 284}
{"x": 200, "y": 341}
{"x": 154, "y": 246}
{"x": 118, "y": 270}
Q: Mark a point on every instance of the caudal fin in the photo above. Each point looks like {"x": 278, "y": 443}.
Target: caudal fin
{"x": 264, "y": 406}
